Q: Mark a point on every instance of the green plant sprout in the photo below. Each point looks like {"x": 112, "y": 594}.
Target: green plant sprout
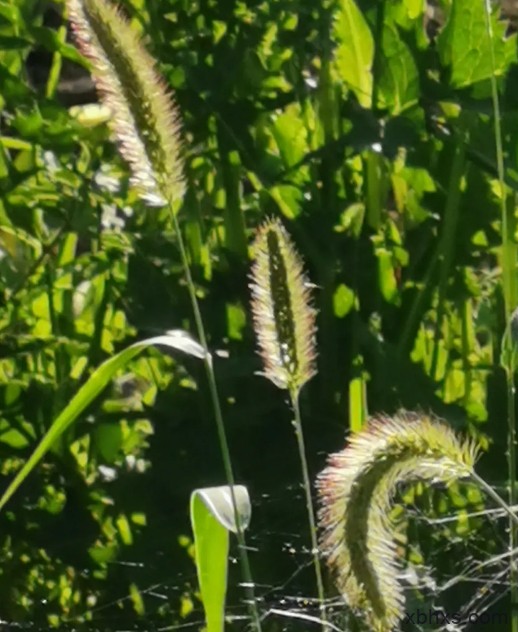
{"x": 212, "y": 519}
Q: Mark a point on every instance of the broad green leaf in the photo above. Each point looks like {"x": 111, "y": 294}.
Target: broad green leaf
{"x": 14, "y": 438}
{"x": 290, "y": 135}
{"x": 343, "y": 300}
{"x": 387, "y": 276}
{"x": 10, "y": 12}
{"x": 399, "y": 79}
{"x": 212, "y": 517}
{"x": 409, "y": 184}
{"x": 464, "y": 44}
{"x": 355, "y": 50}
{"x": 351, "y": 220}
{"x": 176, "y": 340}
{"x": 288, "y": 199}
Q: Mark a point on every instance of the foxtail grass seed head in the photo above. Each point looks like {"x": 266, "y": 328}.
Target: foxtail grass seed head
{"x": 284, "y": 320}
{"x": 356, "y": 489}
{"x": 144, "y": 119}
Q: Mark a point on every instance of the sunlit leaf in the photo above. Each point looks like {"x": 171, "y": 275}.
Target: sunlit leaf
{"x": 343, "y": 300}
{"x": 355, "y": 50}
{"x": 212, "y": 517}
{"x": 399, "y": 79}
{"x": 176, "y": 340}
{"x": 464, "y": 44}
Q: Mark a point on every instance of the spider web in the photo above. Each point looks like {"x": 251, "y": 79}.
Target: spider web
{"x": 463, "y": 583}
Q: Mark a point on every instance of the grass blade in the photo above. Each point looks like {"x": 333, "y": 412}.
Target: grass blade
{"x": 176, "y": 340}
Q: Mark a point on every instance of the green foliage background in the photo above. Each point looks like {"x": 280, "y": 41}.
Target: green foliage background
{"x": 367, "y": 127}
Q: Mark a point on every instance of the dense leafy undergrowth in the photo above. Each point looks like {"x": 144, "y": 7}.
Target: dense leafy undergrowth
{"x": 368, "y": 127}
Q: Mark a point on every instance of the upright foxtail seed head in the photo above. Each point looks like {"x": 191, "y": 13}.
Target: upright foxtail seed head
{"x": 355, "y": 494}
{"x": 144, "y": 118}
{"x": 284, "y": 320}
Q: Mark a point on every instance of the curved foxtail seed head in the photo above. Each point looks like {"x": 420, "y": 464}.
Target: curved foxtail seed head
{"x": 144, "y": 119}
{"x": 284, "y": 320}
{"x": 355, "y": 493}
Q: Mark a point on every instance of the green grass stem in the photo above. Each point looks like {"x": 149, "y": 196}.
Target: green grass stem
{"x": 492, "y": 494}
{"x": 297, "y": 424}
{"x": 222, "y": 435}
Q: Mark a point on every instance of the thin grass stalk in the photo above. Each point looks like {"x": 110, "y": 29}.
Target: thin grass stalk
{"x": 508, "y": 260}
{"x": 297, "y": 424}
{"x": 222, "y": 435}
{"x": 496, "y": 497}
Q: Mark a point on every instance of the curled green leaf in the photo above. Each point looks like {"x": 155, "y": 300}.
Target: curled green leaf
{"x": 212, "y": 518}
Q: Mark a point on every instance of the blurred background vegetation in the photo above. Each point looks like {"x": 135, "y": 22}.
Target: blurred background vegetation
{"x": 368, "y": 127}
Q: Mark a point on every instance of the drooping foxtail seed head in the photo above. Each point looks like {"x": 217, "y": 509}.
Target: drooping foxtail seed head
{"x": 355, "y": 494}
{"x": 144, "y": 119}
{"x": 284, "y": 320}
